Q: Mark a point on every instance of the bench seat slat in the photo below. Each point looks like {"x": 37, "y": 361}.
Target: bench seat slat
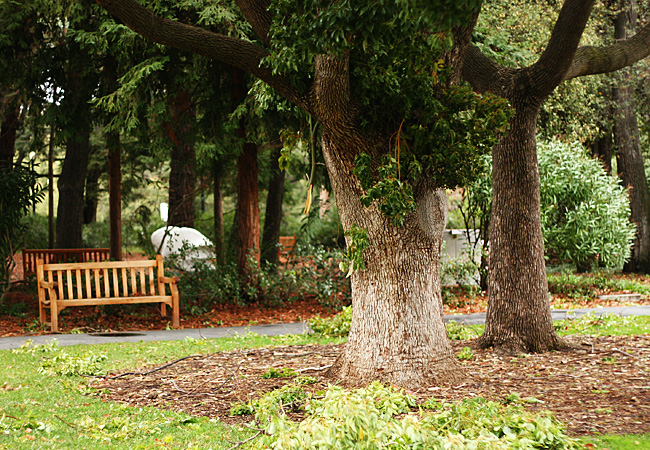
{"x": 116, "y": 300}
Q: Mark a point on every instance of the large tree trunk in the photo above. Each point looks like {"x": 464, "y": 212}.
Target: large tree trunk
{"x": 397, "y": 333}
{"x": 182, "y": 180}
{"x": 518, "y": 316}
{"x": 69, "y": 215}
{"x": 273, "y": 213}
{"x": 629, "y": 157}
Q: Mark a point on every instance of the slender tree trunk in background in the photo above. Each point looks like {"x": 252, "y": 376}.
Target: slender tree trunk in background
{"x": 91, "y": 193}
{"x": 50, "y": 190}
{"x": 115, "y": 194}
{"x": 273, "y": 213}
{"x": 8, "y": 131}
{"x": 248, "y": 211}
{"x": 248, "y": 208}
{"x": 629, "y": 157}
{"x": 182, "y": 180}
{"x": 602, "y": 149}
{"x": 219, "y": 247}
{"x": 397, "y": 333}
{"x": 114, "y": 147}
{"x": 69, "y": 216}
{"x": 518, "y": 315}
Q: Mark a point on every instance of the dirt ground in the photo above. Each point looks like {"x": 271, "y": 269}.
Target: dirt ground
{"x": 604, "y": 387}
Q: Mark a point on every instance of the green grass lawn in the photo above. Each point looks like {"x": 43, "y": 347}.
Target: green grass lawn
{"x": 42, "y": 406}
{"x": 45, "y": 404}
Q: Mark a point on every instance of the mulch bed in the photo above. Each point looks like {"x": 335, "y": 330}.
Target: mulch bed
{"x": 603, "y": 387}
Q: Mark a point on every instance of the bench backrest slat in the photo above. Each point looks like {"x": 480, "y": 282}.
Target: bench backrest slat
{"x": 56, "y": 255}
{"x": 125, "y": 286}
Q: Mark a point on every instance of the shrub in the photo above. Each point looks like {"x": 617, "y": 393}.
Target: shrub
{"x": 585, "y": 212}
{"x": 313, "y": 273}
{"x": 19, "y": 192}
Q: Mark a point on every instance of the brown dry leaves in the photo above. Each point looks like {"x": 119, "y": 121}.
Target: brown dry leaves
{"x": 603, "y": 388}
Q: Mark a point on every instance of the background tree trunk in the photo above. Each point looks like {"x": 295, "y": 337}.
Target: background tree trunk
{"x": 629, "y": 157}
{"x": 273, "y": 213}
{"x": 602, "y": 149}
{"x": 397, "y": 333}
{"x": 182, "y": 180}
{"x": 91, "y": 196}
{"x": 8, "y": 136}
{"x": 219, "y": 247}
{"x": 248, "y": 211}
{"x": 518, "y": 315}
{"x": 115, "y": 194}
{"x": 69, "y": 215}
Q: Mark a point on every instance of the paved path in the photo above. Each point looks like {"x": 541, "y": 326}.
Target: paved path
{"x": 269, "y": 330}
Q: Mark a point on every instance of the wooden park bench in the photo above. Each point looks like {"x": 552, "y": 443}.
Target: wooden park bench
{"x": 60, "y": 255}
{"x": 104, "y": 283}
{"x": 287, "y": 244}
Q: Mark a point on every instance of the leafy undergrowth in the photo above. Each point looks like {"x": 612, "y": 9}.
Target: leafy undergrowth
{"x": 380, "y": 416}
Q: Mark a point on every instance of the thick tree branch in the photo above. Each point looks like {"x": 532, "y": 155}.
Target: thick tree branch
{"x": 257, "y": 14}
{"x": 332, "y": 92}
{"x": 236, "y": 52}
{"x": 549, "y": 71}
{"x": 594, "y": 60}
{"x": 484, "y": 74}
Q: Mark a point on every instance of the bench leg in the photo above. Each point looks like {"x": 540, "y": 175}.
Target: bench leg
{"x": 54, "y": 312}
{"x": 176, "y": 322}
{"x": 163, "y": 309}
{"x": 42, "y": 314}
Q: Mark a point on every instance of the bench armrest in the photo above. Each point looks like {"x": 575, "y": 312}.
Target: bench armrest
{"x": 171, "y": 280}
{"x": 47, "y": 284}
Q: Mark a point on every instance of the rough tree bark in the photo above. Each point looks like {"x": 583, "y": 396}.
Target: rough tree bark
{"x": 518, "y": 307}
{"x": 182, "y": 180}
{"x": 397, "y": 334}
{"x": 273, "y": 212}
{"x": 629, "y": 157}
